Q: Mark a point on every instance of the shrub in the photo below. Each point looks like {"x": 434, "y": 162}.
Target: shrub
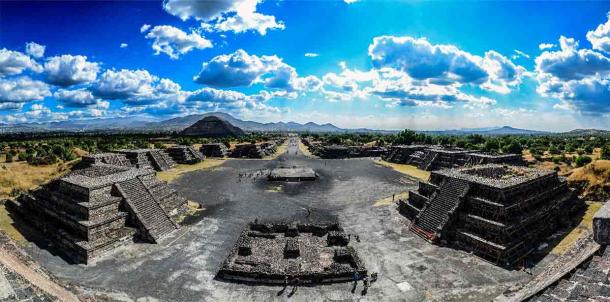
{"x": 582, "y": 160}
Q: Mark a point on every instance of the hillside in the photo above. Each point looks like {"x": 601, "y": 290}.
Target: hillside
{"x": 505, "y": 130}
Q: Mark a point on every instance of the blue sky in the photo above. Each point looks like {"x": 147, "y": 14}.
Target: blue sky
{"x": 376, "y": 64}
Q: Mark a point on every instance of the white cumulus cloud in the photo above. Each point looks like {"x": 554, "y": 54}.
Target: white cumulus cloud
{"x": 34, "y": 49}
{"x": 544, "y": 46}
{"x": 67, "y": 70}
{"x": 224, "y": 15}
{"x": 571, "y": 63}
{"x": 136, "y": 87}
{"x": 578, "y": 78}
{"x": 76, "y": 98}
{"x": 174, "y": 42}
{"x": 15, "y": 62}
{"x": 22, "y": 89}
{"x": 444, "y": 64}
{"x": 242, "y": 69}
{"x": 600, "y": 37}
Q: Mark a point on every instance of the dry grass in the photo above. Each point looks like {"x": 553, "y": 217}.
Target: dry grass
{"x": 595, "y": 173}
{"x": 176, "y": 172}
{"x": 389, "y": 200}
{"x": 305, "y": 150}
{"x": 584, "y": 228}
{"x": 8, "y": 226}
{"x": 281, "y": 149}
{"x": 406, "y": 169}
{"x": 594, "y": 179}
{"x": 22, "y": 176}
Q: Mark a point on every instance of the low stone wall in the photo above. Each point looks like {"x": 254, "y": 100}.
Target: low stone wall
{"x": 601, "y": 225}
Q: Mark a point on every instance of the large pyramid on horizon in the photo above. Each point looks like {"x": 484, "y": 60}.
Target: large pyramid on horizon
{"x": 212, "y": 126}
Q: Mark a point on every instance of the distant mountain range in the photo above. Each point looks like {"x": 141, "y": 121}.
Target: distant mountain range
{"x": 174, "y": 124}
{"x": 139, "y": 124}
{"x": 505, "y": 130}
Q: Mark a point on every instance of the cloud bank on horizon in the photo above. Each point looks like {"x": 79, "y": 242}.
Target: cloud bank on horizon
{"x": 259, "y": 60}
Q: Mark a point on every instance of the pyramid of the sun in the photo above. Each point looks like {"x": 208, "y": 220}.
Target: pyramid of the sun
{"x": 213, "y": 126}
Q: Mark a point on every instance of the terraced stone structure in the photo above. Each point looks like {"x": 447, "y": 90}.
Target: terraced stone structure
{"x": 401, "y": 154}
{"x": 214, "y": 150}
{"x": 482, "y": 158}
{"x": 432, "y": 158}
{"x": 498, "y": 212}
{"x": 258, "y": 150}
{"x": 109, "y": 158}
{"x": 93, "y": 210}
{"x": 185, "y": 155}
{"x": 280, "y": 252}
{"x": 440, "y": 158}
{"x": 149, "y": 158}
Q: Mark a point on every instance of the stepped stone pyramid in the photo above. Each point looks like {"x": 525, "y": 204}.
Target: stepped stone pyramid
{"x": 149, "y": 158}
{"x": 213, "y": 126}
{"x": 93, "y": 210}
{"x": 185, "y": 154}
{"x": 498, "y": 212}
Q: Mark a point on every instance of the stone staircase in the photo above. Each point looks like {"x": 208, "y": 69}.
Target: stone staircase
{"x": 161, "y": 161}
{"x": 118, "y": 160}
{"x": 433, "y": 217}
{"x": 427, "y": 161}
{"x": 155, "y": 222}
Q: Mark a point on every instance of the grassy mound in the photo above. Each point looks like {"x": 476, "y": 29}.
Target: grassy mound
{"x": 593, "y": 180}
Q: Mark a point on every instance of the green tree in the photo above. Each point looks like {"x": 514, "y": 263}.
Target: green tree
{"x": 582, "y": 160}
{"x": 513, "y": 147}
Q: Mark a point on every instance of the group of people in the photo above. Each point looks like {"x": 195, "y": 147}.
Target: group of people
{"x": 366, "y": 281}
{"x": 252, "y": 175}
